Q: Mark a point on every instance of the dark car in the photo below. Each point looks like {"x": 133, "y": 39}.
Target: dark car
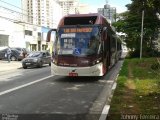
{"x": 23, "y": 51}
{"x": 15, "y": 54}
{"x": 36, "y": 59}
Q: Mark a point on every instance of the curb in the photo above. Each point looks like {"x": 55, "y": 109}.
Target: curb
{"x": 106, "y": 108}
{"x": 101, "y": 105}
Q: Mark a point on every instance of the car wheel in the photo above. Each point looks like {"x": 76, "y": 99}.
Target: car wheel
{"x": 40, "y": 65}
{"x": 13, "y": 58}
{"x": 25, "y": 67}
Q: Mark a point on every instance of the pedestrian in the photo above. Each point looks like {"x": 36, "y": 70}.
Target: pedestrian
{"x": 24, "y": 53}
{"x": 9, "y": 54}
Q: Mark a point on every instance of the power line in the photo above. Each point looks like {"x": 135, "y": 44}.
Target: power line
{"x": 29, "y": 16}
{"x": 16, "y": 7}
{"x": 19, "y": 22}
{"x": 22, "y": 14}
{"x": 11, "y": 4}
{"x": 12, "y": 10}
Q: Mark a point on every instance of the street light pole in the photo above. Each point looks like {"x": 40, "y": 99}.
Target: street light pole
{"x": 142, "y": 33}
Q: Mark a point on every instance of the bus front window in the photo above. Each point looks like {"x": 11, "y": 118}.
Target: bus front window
{"x": 78, "y": 44}
{"x": 93, "y": 45}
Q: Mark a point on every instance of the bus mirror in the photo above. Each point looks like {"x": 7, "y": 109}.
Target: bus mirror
{"x": 49, "y": 34}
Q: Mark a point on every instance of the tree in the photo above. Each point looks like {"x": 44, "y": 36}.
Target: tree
{"x": 129, "y": 23}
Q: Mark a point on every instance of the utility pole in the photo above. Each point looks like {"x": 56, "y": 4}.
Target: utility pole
{"x": 142, "y": 32}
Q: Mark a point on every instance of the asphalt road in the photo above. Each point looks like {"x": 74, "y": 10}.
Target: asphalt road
{"x": 34, "y": 93}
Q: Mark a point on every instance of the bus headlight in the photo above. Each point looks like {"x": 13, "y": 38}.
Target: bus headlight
{"x": 96, "y": 61}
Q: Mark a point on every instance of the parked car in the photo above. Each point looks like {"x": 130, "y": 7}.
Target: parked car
{"x": 23, "y": 51}
{"x": 36, "y": 59}
{"x": 15, "y": 54}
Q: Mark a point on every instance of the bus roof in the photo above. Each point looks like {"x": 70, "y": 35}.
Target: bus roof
{"x": 83, "y": 19}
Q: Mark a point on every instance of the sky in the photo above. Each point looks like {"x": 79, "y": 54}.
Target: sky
{"x": 94, "y": 4}
{"x": 119, "y": 4}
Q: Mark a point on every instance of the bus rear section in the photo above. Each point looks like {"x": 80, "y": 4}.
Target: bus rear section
{"x": 78, "y": 48}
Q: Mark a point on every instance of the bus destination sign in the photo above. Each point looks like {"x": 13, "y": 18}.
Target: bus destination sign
{"x": 76, "y": 30}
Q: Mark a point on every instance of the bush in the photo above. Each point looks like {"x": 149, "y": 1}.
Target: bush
{"x": 146, "y": 53}
{"x": 155, "y": 66}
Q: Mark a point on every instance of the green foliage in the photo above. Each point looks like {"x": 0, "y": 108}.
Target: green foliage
{"x": 138, "y": 90}
{"x": 124, "y": 70}
{"x": 155, "y": 66}
{"x": 130, "y": 22}
{"x": 146, "y": 87}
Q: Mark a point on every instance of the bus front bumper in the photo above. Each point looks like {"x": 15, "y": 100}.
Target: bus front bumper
{"x": 96, "y": 70}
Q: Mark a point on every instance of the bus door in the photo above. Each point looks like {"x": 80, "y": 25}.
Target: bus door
{"x": 108, "y": 42}
{"x": 105, "y": 52}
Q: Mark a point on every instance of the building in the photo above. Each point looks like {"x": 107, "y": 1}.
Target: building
{"x": 35, "y": 37}
{"x": 46, "y": 13}
{"x": 19, "y": 29}
{"x": 37, "y": 16}
{"x": 84, "y": 8}
{"x": 11, "y": 33}
{"x": 68, "y": 6}
{"x": 108, "y": 12}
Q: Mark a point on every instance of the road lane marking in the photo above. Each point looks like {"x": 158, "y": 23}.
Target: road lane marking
{"x": 25, "y": 85}
{"x": 104, "y": 112}
{"x": 114, "y": 86}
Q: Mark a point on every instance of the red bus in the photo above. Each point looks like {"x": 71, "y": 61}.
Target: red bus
{"x": 85, "y": 45}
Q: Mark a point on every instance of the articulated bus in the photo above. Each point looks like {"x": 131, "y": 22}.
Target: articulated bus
{"x": 85, "y": 45}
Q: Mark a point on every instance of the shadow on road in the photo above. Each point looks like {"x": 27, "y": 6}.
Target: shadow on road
{"x": 77, "y": 79}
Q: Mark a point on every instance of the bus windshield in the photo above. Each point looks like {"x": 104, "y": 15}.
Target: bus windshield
{"x": 78, "y": 41}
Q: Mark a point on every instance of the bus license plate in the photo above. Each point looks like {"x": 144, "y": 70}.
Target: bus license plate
{"x": 73, "y": 74}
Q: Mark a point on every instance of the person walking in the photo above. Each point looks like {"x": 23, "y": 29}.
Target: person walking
{"x": 9, "y": 54}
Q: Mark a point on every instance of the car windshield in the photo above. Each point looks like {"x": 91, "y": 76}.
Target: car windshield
{"x": 78, "y": 43}
{"x": 35, "y": 54}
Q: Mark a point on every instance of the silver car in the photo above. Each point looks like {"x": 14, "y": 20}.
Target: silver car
{"x": 36, "y": 59}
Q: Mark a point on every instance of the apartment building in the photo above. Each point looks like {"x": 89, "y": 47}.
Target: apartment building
{"x": 68, "y": 6}
{"x": 108, "y": 12}
{"x": 45, "y": 13}
{"x": 37, "y": 15}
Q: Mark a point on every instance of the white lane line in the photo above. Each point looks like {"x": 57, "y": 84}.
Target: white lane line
{"x": 104, "y": 112}
{"x": 107, "y": 107}
{"x": 110, "y": 81}
{"x": 114, "y": 86}
{"x": 25, "y": 85}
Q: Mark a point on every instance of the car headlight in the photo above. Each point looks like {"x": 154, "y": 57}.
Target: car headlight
{"x": 35, "y": 60}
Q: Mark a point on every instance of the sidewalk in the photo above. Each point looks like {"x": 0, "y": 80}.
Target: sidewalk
{"x": 13, "y": 65}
